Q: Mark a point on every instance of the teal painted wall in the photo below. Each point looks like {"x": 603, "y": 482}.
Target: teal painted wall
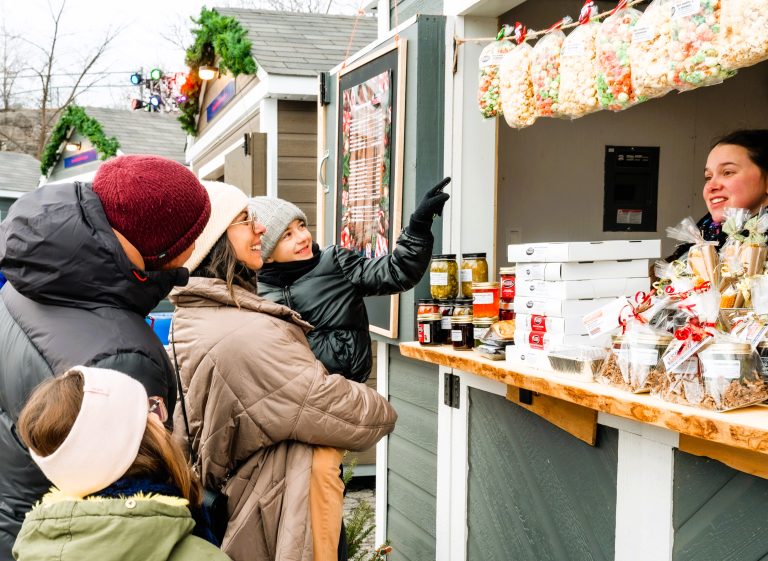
{"x": 720, "y": 514}
{"x": 536, "y": 493}
{"x": 412, "y": 459}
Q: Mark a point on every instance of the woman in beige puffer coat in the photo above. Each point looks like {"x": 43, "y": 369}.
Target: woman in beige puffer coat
{"x": 257, "y": 398}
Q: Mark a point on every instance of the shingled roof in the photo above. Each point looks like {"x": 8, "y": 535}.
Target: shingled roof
{"x": 21, "y": 172}
{"x": 140, "y": 132}
{"x": 299, "y": 44}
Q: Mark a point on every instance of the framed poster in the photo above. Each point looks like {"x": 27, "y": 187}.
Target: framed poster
{"x": 369, "y": 169}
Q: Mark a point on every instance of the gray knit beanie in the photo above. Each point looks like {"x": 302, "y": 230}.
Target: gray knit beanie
{"x": 275, "y": 214}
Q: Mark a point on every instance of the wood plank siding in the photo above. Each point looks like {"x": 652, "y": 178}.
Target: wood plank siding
{"x": 412, "y": 454}
{"x": 558, "y": 493}
{"x": 719, "y": 513}
{"x": 297, "y": 157}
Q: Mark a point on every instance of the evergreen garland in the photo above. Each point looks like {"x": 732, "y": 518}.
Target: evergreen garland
{"x": 75, "y": 117}
{"x": 215, "y": 36}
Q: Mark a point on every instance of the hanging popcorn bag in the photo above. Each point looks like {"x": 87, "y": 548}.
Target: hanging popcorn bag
{"x": 744, "y": 36}
{"x": 578, "y": 67}
{"x": 545, "y": 73}
{"x": 614, "y": 71}
{"x": 488, "y": 89}
{"x": 517, "y": 100}
{"x": 652, "y": 73}
{"x": 695, "y": 47}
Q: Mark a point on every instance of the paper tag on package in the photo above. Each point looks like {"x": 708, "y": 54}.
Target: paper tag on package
{"x": 679, "y": 351}
{"x": 606, "y": 318}
{"x": 751, "y": 331}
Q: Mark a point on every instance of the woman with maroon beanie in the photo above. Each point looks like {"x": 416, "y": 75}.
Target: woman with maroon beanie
{"x": 85, "y": 264}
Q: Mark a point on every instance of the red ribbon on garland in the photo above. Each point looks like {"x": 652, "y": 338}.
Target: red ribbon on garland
{"x": 619, "y": 6}
{"x": 520, "y": 32}
{"x": 587, "y": 12}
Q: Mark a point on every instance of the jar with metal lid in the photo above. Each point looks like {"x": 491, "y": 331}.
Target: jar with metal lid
{"x": 506, "y": 310}
{"x": 507, "y": 282}
{"x": 429, "y": 329}
{"x": 474, "y": 268}
{"x": 444, "y": 277}
{"x": 462, "y": 307}
{"x": 485, "y": 299}
{"x": 480, "y": 327}
{"x": 446, "y": 313}
{"x": 427, "y": 306}
{"x": 462, "y": 333}
{"x": 733, "y": 376}
{"x": 645, "y": 350}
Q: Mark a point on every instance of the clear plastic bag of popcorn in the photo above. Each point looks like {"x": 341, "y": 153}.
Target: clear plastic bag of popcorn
{"x": 744, "y": 26}
{"x": 578, "y": 72}
{"x": 652, "y": 72}
{"x": 614, "y": 73}
{"x": 545, "y": 74}
{"x": 517, "y": 88}
{"x": 488, "y": 99}
{"x": 695, "y": 48}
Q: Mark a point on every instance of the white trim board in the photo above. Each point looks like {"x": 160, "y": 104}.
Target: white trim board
{"x": 268, "y": 125}
{"x": 218, "y": 161}
{"x": 382, "y": 459}
{"x": 10, "y": 194}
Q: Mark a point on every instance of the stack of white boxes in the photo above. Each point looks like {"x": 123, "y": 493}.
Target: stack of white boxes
{"x": 558, "y": 283}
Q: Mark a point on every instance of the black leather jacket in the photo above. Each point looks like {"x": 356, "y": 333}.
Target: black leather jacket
{"x": 72, "y": 297}
{"x": 330, "y": 297}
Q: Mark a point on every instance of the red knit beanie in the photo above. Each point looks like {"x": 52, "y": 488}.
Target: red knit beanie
{"x": 156, "y": 203}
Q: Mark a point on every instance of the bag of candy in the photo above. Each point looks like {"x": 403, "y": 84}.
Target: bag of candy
{"x": 652, "y": 74}
{"x": 578, "y": 67}
{"x": 744, "y": 32}
{"x": 488, "y": 88}
{"x": 517, "y": 101}
{"x": 614, "y": 72}
{"x": 545, "y": 74}
{"x": 702, "y": 261}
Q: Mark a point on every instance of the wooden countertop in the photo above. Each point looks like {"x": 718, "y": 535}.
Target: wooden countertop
{"x": 742, "y": 428}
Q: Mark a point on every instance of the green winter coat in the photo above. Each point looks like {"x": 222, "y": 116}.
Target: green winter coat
{"x": 146, "y": 528}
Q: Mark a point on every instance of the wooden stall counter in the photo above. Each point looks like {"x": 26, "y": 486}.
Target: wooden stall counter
{"x": 738, "y": 438}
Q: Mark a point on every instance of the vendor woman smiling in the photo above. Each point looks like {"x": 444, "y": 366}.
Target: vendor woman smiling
{"x": 735, "y": 176}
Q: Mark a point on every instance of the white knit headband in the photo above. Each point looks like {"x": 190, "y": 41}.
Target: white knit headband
{"x": 105, "y": 437}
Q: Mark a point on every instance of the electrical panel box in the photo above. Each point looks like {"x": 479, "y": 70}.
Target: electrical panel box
{"x": 631, "y": 188}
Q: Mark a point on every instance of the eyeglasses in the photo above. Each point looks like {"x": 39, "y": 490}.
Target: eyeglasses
{"x": 157, "y": 406}
{"x": 253, "y": 222}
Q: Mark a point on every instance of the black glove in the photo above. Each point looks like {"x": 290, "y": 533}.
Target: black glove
{"x": 430, "y": 206}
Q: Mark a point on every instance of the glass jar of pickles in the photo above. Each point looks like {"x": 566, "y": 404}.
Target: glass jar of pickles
{"x": 485, "y": 299}
{"x": 462, "y": 307}
{"x": 462, "y": 334}
{"x": 474, "y": 268}
{"x": 444, "y": 277}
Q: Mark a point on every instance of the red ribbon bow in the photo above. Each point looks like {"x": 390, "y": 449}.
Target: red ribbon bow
{"x": 520, "y": 32}
{"x": 695, "y": 331}
{"x": 587, "y": 12}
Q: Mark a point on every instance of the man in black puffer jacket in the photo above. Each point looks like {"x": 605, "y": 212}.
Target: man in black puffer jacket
{"x": 327, "y": 287}
{"x": 85, "y": 265}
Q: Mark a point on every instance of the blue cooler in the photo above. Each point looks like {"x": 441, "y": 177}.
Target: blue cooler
{"x": 160, "y": 322}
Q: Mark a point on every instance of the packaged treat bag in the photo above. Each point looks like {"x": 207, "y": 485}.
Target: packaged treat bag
{"x": 744, "y": 32}
{"x": 545, "y": 73}
{"x": 702, "y": 260}
{"x": 517, "y": 100}
{"x": 744, "y": 253}
{"x": 732, "y": 373}
{"x": 652, "y": 74}
{"x": 578, "y": 67}
{"x": 695, "y": 48}
{"x": 488, "y": 89}
{"x": 614, "y": 72}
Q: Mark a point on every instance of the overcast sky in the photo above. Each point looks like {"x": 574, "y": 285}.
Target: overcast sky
{"x": 140, "y": 42}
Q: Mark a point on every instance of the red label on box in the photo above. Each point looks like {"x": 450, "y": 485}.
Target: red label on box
{"x": 536, "y": 341}
{"x": 538, "y": 323}
{"x": 508, "y": 287}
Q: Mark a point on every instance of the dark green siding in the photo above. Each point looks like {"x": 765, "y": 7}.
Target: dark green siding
{"x": 408, "y": 8}
{"x": 720, "y": 514}
{"x": 536, "y": 493}
{"x": 5, "y": 204}
{"x": 412, "y": 459}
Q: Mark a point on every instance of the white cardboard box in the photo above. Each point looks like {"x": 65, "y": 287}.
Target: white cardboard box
{"x": 538, "y": 340}
{"x": 574, "y": 289}
{"x": 582, "y": 271}
{"x": 519, "y": 356}
{"x": 557, "y": 307}
{"x": 561, "y": 252}
{"x": 550, "y": 324}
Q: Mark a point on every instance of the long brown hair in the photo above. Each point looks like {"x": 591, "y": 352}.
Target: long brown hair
{"x": 51, "y": 411}
{"x": 222, "y": 263}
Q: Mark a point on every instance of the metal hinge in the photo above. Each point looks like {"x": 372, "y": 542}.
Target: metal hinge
{"x": 452, "y": 391}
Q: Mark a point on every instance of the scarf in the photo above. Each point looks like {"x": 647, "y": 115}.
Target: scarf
{"x": 287, "y": 273}
{"x": 129, "y": 486}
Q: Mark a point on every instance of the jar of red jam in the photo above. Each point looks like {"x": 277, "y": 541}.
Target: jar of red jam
{"x": 429, "y": 329}
{"x": 462, "y": 333}
{"x": 485, "y": 299}
{"x": 507, "y": 281}
{"x": 506, "y": 311}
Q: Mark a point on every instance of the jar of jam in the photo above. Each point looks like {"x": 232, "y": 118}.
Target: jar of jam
{"x": 429, "y": 329}
{"x": 474, "y": 268}
{"x": 462, "y": 335}
{"x": 444, "y": 277}
{"x": 462, "y": 307}
{"x": 446, "y": 313}
{"x": 427, "y": 306}
{"x": 507, "y": 281}
{"x": 485, "y": 299}
{"x": 506, "y": 310}
{"x": 480, "y": 327}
